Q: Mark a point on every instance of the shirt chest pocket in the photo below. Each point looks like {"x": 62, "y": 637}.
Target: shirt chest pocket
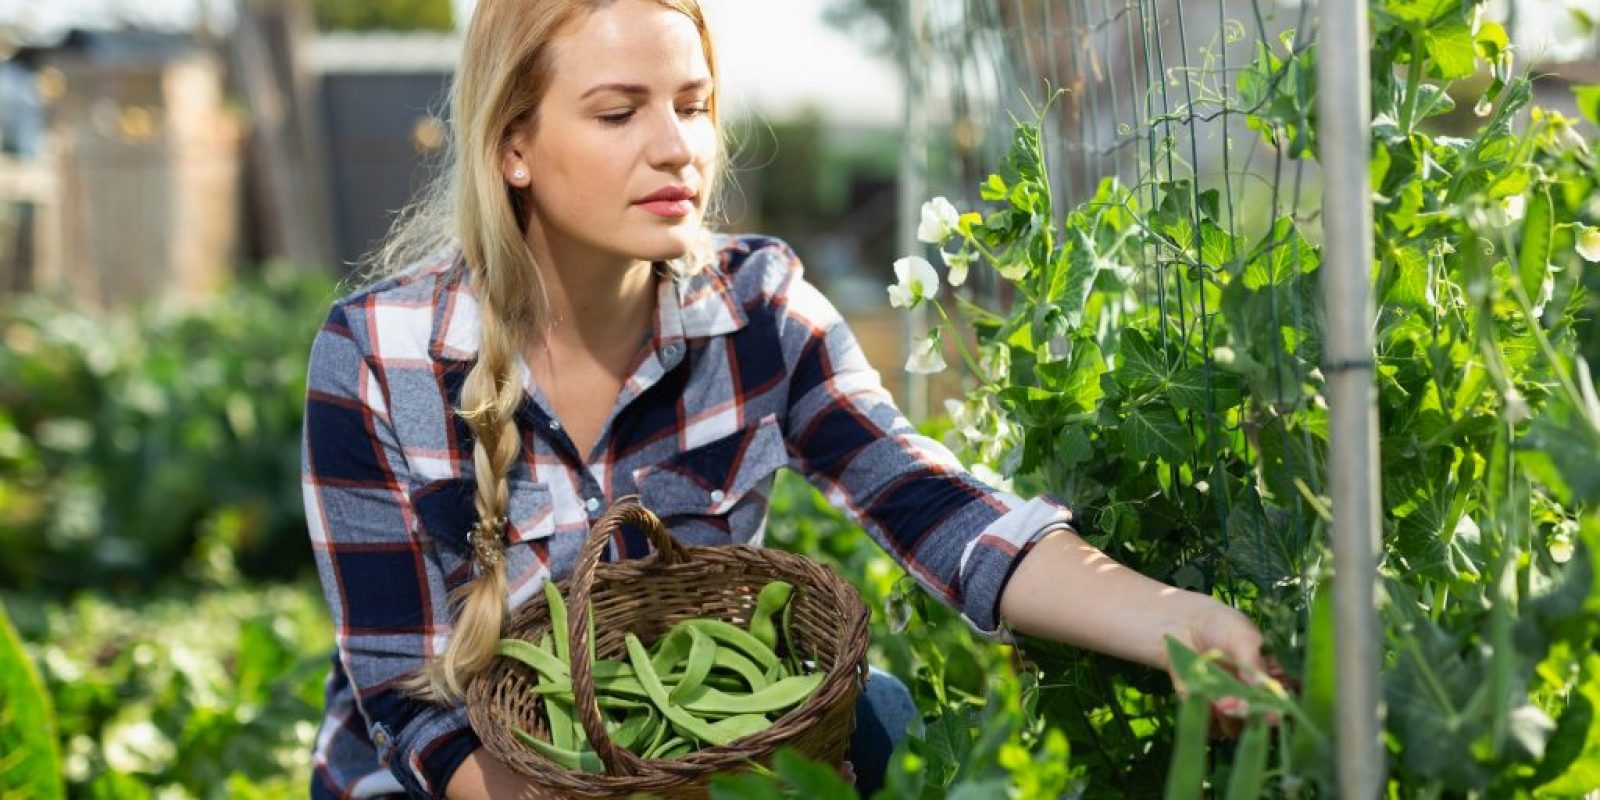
{"x": 712, "y": 479}
{"x": 446, "y": 511}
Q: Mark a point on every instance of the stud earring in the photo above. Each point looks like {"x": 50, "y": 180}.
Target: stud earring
{"x": 519, "y": 174}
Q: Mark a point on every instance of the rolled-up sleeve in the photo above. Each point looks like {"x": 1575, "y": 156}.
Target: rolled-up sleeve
{"x": 958, "y": 537}
{"x": 382, "y": 583}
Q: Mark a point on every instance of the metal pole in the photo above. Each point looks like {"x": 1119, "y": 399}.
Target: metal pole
{"x": 914, "y": 188}
{"x": 1344, "y": 141}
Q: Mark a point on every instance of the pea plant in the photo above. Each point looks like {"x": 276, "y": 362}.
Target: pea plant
{"x": 1160, "y": 367}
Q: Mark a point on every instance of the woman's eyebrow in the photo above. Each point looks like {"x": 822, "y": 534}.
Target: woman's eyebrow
{"x": 641, "y": 89}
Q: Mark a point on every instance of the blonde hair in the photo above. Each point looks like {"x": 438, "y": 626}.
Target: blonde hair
{"x": 504, "y": 72}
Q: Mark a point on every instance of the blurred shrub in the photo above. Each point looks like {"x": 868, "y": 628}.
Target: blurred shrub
{"x": 208, "y": 696}
{"x": 133, "y": 447}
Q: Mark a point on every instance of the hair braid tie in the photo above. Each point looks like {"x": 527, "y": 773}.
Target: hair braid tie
{"x": 488, "y": 543}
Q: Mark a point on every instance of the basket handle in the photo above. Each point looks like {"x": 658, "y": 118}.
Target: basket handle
{"x": 618, "y": 761}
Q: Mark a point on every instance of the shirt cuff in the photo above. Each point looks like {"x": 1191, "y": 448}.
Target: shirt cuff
{"x": 989, "y": 559}
{"x": 428, "y": 751}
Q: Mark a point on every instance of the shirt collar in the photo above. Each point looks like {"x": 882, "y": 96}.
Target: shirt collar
{"x": 701, "y": 305}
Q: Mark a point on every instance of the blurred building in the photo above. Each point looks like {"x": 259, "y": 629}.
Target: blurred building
{"x": 129, "y": 169}
{"x": 123, "y": 181}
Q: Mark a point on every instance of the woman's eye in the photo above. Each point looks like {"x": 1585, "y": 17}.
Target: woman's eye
{"x": 695, "y": 111}
{"x": 617, "y": 118}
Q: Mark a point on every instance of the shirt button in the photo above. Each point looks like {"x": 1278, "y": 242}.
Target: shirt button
{"x": 555, "y": 425}
{"x": 670, "y": 350}
{"x": 593, "y": 504}
{"x": 717, "y": 495}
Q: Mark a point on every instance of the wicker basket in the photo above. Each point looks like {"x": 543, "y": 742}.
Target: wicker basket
{"x": 647, "y": 597}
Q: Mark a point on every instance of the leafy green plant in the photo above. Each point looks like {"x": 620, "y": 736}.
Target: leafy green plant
{"x": 132, "y": 447}
{"x": 210, "y": 695}
{"x": 1161, "y": 369}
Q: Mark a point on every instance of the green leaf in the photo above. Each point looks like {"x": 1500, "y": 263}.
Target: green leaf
{"x": 809, "y": 778}
{"x": 1588, "y": 98}
{"x": 1280, "y": 257}
{"x": 1204, "y": 388}
{"x": 1452, "y": 52}
{"x": 1153, "y": 431}
{"x": 1140, "y": 364}
{"x": 1423, "y": 11}
{"x": 1571, "y": 765}
{"x": 993, "y": 189}
{"x": 1410, "y": 286}
{"x": 30, "y": 765}
{"x": 1073, "y": 447}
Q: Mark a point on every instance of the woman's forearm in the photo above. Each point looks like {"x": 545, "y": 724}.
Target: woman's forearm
{"x": 1067, "y": 590}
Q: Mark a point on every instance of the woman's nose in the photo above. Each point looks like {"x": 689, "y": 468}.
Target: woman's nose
{"x": 670, "y": 142}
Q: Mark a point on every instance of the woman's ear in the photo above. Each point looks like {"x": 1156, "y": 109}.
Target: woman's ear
{"x": 513, "y": 165}
{"x": 514, "y": 168}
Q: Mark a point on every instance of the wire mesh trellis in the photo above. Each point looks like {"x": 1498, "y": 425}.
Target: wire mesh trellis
{"x": 1199, "y": 114}
{"x": 1151, "y": 98}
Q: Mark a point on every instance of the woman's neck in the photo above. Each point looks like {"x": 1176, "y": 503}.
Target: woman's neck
{"x": 599, "y": 301}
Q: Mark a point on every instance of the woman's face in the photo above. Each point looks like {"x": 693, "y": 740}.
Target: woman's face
{"x": 625, "y": 117}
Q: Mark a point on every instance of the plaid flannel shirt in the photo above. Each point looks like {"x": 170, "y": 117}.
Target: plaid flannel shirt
{"x": 748, "y": 368}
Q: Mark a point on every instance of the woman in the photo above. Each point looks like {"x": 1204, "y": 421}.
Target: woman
{"x": 557, "y": 330}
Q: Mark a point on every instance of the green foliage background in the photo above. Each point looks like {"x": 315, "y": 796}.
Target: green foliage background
{"x": 384, "y": 15}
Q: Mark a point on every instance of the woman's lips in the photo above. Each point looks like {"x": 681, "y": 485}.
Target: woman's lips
{"x": 671, "y": 209}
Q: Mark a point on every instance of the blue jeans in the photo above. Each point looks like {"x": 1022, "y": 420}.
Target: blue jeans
{"x": 884, "y": 714}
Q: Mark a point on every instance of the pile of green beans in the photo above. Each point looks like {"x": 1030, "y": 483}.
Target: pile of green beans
{"x": 706, "y": 682}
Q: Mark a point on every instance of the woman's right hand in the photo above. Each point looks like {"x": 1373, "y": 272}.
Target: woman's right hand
{"x": 483, "y": 777}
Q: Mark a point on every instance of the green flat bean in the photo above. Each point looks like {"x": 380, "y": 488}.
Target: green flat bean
{"x": 773, "y": 596}
{"x": 582, "y": 761}
{"x": 1250, "y": 761}
{"x": 742, "y": 725}
{"x": 779, "y": 696}
{"x": 676, "y": 741}
{"x": 557, "y": 712}
{"x": 540, "y": 660}
{"x": 702, "y": 656}
{"x": 635, "y": 727}
{"x": 1187, "y": 774}
{"x": 735, "y": 637}
{"x": 679, "y": 718}
{"x": 558, "y": 619}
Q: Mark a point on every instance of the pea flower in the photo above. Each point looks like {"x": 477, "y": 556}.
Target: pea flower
{"x": 940, "y": 221}
{"x": 1515, "y": 206}
{"x": 926, "y": 356}
{"x": 957, "y": 263}
{"x": 1589, "y": 243}
{"x": 917, "y": 281}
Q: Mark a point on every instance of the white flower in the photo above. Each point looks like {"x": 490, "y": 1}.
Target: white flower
{"x": 995, "y": 361}
{"x": 1561, "y": 541}
{"x": 1569, "y": 140}
{"x": 957, "y": 262}
{"x": 1589, "y": 243}
{"x": 940, "y": 221}
{"x": 926, "y": 356}
{"x": 1514, "y": 206}
{"x": 917, "y": 282}
{"x": 1517, "y": 410}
